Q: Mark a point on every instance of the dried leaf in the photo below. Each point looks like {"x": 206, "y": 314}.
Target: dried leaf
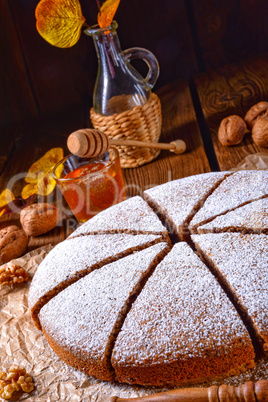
{"x": 3, "y": 210}
{"x": 29, "y": 190}
{"x": 5, "y": 197}
{"x": 46, "y": 185}
{"x": 44, "y": 165}
{"x": 39, "y": 177}
{"x": 15, "y": 205}
{"x": 59, "y": 22}
{"x": 107, "y": 12}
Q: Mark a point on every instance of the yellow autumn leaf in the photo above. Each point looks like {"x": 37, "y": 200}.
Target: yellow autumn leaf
{"x": 59, "y": 22}
{"x": 29, "y": 190}
{"x": 43, "y": 186}
{"x": 44, "y": 165}
{"x": 5, "y": 197}
{"x": 39, "y": 179}
{"x": 46, "y": 185}
{"x": 107, "y": 12}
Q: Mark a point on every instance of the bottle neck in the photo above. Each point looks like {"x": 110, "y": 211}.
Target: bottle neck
{"x": 109, "y": 52}
{"x": 118, "y": 85}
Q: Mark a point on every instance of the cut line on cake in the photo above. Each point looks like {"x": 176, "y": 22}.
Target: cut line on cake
{"x": 184, "y": 233}
{"x": 88, "y": 307}
{"x": 44, "y": 299}
{"x": 251, "y": 218}
{"x": 132, "y": 216}
{"x": 237, "y": 190}
{"x": 180, "y": 231}
{"x": 194, "y": 229}
{"x": 122, "y": 231}
{"x": 159, "y": 347}
{"x": 257, "y": 341}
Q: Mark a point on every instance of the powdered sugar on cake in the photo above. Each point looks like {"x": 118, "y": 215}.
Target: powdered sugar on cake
{"x": 242, "y": 260}
{"x": 181, "y": 313}
{"x": 252, "y": 217}
{"x": 83, "y": 317}
{"x": 182, "y": 327}
{"x": 75, "y": 256}
{"x": 236, "y": 190}
{"x": 178, "y": 200}
{"x": 132, "y": 215}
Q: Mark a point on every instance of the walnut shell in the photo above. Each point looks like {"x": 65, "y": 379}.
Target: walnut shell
{"x": 13, "y": 243}
{"x": 255, "y": 112}
{"x": 37, "y": 219}
{"x": 260, "y": 132}
{"x": 232, "y": 130}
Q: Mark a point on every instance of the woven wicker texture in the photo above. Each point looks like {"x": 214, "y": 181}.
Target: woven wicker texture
{"x": 142, "y": 123}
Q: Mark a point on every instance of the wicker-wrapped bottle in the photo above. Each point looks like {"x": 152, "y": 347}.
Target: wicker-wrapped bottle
{"x": 124, "y": 106}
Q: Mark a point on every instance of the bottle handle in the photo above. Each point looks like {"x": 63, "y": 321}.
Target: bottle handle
{"x": 150, "y": 60}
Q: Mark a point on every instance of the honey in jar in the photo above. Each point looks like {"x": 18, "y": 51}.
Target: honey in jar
{"x": 92, "y": 186}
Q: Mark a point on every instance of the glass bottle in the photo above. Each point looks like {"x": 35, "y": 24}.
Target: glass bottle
{"x": 119, "y": 86}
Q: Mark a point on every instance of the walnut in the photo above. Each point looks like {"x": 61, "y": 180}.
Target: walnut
{"x": 26, "y": 383}
{"x": 12, "y": 274}
{"x": 260, "y": 132}
{"x": 232, "y": 130}
{"x": 13, "y": 243}
{"x": 37, "y": 219}
{"x": 255, "y": 112}
{"x": 16, "y": 380}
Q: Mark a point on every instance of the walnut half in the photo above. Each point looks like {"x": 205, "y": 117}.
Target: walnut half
{"x": 256, "y": 112}
{"x": 12, "y": 274}
{"x": 232, "y": 130}
{"x": 16, "y": 380}
{"x": 260, "y": 132}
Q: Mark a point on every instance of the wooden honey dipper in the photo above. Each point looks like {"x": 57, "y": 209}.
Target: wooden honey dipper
{"x": 89, "y": 142}
{"x": 248, "y": 392}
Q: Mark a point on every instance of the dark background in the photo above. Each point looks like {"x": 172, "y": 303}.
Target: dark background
{"x": 186, "y": 36}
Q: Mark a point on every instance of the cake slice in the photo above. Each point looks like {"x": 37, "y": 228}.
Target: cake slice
{"x": 251, "y": 218}
{"x": 131, "y": 216}
{"x": 241, "y": 263}
{"x": 74, "y": 258}
{"x": 238, "y": 189}
{"x": 176, "y": 202}
{"x": 82, "y": 322}
{"x": 182, "y": 328}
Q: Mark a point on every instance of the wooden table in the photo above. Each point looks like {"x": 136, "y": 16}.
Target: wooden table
{"x": 191, "y": 111}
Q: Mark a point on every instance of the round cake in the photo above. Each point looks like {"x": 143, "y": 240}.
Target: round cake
{"x": 166, "y": 289}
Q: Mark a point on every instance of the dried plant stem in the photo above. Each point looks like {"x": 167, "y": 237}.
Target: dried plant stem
{"x": 98, "y": 4}
{"x": 85, "y": 25}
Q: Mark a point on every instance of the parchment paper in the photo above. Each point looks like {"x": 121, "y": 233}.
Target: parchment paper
{"x": 22, "y": 344}
{"x": 257, "y": 161}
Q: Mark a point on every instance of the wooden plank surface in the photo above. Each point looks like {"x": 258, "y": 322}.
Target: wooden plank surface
{"x": 16, "y": 98}
{"x": 163, "y": 28}
{"x": 179, "y": 121}
{"x": 232, "y": 89}
{"x": 34, "y": 138}
{"x": 60, "y": 78}
{"x": 230, "y": 30}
